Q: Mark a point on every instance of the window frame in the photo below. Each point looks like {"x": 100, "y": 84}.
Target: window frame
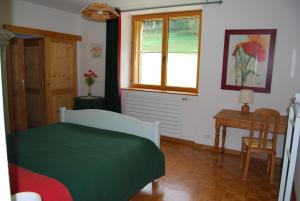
{"x": 135, "y": 43}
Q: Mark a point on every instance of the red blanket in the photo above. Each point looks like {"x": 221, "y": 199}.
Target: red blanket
{"x": 22, "y": 180}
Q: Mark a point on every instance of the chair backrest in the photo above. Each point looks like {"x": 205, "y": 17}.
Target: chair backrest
{"x": 265, "y": 121}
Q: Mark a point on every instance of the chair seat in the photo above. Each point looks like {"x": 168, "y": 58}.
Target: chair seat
{"x": 255, "y": 143}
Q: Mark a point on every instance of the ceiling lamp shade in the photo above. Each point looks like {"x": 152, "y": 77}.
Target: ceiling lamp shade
{"x": 99, "y": 11}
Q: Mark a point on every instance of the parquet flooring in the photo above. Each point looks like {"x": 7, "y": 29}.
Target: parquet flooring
{"x": 192, "y": 175}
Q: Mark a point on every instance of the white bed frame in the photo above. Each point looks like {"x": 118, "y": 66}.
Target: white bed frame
{"x": 112, "y": 121}
{"x": 290, "y": 151}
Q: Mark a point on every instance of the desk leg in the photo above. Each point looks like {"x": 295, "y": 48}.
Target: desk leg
{"x": 223, "y": 139}
{"x": 217, "y": 137}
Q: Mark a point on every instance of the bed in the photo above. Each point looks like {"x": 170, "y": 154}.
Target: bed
{"x": 98, "y": 155}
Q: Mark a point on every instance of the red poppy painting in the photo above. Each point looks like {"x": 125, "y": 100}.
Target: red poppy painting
{"x": 248, "y": 59}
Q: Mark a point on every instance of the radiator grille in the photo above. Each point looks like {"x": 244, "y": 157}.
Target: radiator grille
{"x": 165, "y": 110}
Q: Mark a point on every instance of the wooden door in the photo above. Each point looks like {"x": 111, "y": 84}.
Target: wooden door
{"x": 61, "y": 76}
{"x": 34, "y": 76}
{"x": 16, "y": 85}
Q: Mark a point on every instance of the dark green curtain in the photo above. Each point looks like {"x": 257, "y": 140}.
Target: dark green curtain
{"x": 112, "y": 93}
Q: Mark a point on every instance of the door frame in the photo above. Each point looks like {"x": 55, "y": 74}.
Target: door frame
{"x": 36, "y": 32}
{"x": 11, "y": 90}
{"x": 41, "y": 32}
{"x": 41, "y": 44}
{"x": 11, "y": 114}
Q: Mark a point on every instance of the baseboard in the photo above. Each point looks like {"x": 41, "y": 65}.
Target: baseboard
{"x": 177, "y": 140}
{"x": 209, "y": 147}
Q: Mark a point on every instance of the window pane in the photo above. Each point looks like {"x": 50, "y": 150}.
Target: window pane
{"x": 182, "y": 69}
{"x": 151, "y": 52}
{"x": 150, "y": 68}
{"x": 183, "y": 44}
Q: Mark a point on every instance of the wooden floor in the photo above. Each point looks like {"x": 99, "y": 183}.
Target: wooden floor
{"x": 192, "y": 175}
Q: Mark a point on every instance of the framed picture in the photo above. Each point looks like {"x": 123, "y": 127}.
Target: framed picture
{"x": 248, "y": 59}
{"x": 96, "y": 50}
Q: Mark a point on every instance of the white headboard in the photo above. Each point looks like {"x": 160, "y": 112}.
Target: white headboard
{"x": 112, "y": 121}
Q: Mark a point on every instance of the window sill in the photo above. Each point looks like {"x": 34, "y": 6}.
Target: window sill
{"x": 161, "y": 91}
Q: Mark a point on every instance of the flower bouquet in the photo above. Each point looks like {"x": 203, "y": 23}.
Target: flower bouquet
{"x": 90, "y": 79}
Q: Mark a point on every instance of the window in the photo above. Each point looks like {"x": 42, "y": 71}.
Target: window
{"x": 166, "y": 51}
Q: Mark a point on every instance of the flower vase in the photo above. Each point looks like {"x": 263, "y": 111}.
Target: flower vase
{"x": 90, "y": 92}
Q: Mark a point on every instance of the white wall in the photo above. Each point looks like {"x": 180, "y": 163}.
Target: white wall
{"x": 234, "y": 14}
{"x": 4, "y": 189}
{"x": 36, "y": 16}
{"x": 4, "y": 179}
{"x": 92, "y": 32}
{"x": 137, "y": 4}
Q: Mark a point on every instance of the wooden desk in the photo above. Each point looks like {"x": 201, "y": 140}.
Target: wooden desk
{"x": 235, "y": 119}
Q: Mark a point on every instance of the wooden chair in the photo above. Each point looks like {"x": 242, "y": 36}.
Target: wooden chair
{"x": 265, "y": 121}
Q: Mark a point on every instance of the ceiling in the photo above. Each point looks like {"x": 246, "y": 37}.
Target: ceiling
{"x": 75, "y": 6}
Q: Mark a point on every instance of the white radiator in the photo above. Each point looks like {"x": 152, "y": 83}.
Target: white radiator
{"x": 152, "y": 108}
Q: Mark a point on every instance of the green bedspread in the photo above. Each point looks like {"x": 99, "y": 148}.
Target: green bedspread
{"x": 94, "y": 164}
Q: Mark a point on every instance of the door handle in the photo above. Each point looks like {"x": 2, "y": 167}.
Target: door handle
{"x": 23, "y": 84}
